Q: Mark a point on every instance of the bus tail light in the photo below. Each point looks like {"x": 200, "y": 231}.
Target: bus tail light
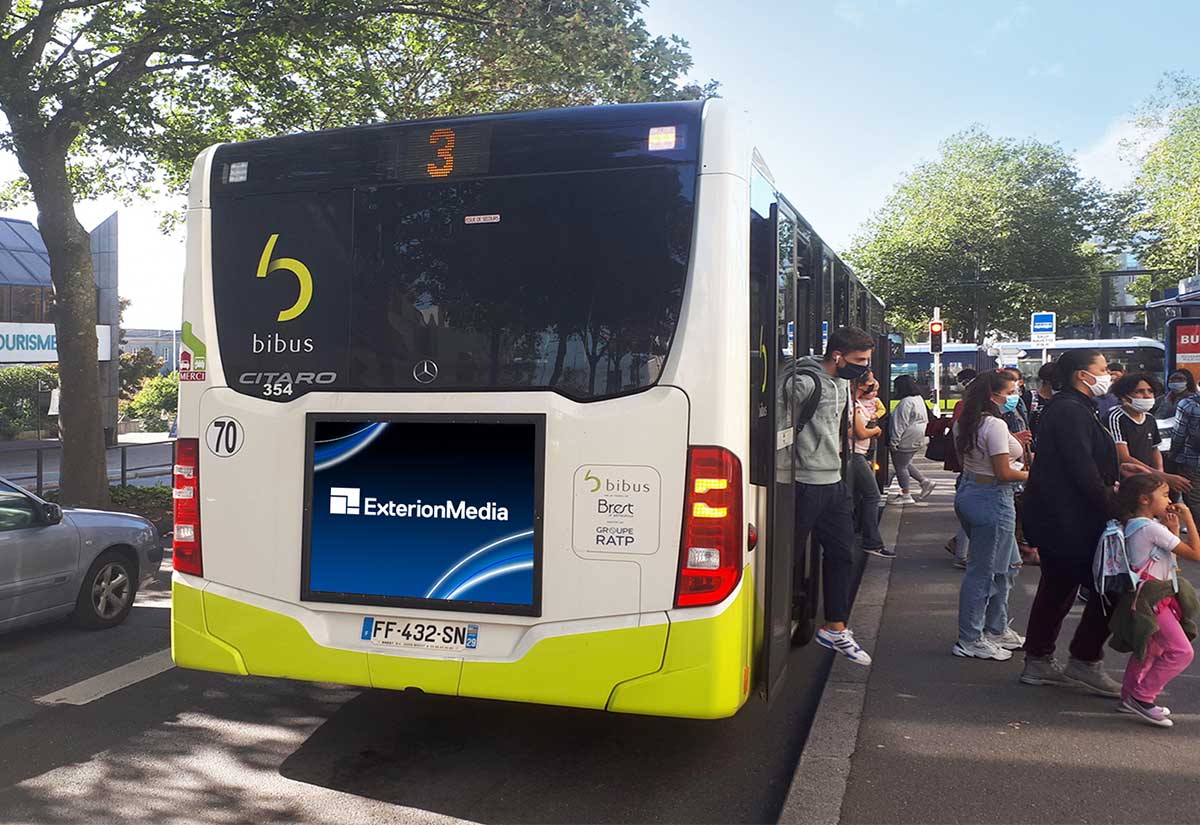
{"x": 710, "y": 554}
{"x": 185, "y": 549}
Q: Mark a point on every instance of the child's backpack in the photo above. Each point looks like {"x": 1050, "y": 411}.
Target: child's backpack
{"x": 1112, "y": 575}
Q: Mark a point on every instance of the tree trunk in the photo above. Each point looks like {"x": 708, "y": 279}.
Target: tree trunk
{"x": 84, "y": 474}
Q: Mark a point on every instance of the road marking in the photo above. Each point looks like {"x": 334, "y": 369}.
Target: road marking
{"x": 89, "y": 690}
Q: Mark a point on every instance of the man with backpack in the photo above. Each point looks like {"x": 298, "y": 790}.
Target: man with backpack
{"x": 824, "y": 507}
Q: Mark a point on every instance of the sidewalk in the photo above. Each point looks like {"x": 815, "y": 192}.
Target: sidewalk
{"x": 949, "y": 740}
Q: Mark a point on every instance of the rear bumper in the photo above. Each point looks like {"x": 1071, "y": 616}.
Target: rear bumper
{"x": 697, "y": 668}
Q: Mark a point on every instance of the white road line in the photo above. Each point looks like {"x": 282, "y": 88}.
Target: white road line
{"x": 89, "y": 690}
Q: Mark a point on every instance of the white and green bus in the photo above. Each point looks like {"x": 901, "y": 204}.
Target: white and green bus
{"x": 489, "y": 407}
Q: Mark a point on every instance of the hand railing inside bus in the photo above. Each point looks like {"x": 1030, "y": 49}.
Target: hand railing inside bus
{"x": 15, "y": 466}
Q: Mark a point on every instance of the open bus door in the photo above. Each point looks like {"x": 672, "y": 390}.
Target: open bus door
{"x": 774, "y": 324}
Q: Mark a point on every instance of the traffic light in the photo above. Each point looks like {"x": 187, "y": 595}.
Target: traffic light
{"x": 935, "y": 336}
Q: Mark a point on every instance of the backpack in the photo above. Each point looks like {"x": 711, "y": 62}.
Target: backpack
{"x": 1112, "y": 574}
{"x": 809, "y": 408}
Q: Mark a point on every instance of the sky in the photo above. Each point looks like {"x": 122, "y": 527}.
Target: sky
{"x": 847, "y": 95}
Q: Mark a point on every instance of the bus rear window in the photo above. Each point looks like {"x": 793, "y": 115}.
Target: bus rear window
{"x": 571, "y": 282}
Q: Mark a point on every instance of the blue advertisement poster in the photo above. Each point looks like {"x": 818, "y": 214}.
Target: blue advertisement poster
{"x": 433, "y": 513}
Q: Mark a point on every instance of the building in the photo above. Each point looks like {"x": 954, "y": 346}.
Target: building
{"x": 162, "y": 342}
{"x": 27, "y": 334}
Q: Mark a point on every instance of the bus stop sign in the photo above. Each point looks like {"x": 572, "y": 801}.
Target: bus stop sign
{"x": 1043, "y": 327}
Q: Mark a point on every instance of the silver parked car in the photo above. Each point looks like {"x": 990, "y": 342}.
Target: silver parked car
{"x": 87, "y": 564}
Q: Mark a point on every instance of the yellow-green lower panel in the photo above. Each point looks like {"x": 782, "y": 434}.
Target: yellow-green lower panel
{"x": 706, "y": 672}
{"x": 578, "y": 670}
{"x": 272, "y": 644}
{"x": 191, "y": 644}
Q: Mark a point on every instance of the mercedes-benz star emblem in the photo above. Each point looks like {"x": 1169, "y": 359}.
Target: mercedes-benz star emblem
{"x": 425, "y": 372}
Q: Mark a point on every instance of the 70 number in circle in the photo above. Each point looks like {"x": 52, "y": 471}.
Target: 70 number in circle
{"x": 224, "y": 436}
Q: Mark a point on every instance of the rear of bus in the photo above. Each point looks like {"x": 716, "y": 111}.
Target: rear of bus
{"x": 452, "y": 414}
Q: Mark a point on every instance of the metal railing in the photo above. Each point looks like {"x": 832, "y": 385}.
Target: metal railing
{"x": 41, "y": 475}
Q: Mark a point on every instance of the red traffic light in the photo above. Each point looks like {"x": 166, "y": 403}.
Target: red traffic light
{"x": 935, "y": 327}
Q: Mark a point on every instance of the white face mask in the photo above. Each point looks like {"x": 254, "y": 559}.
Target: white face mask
{"x": 1103, "y": 382}
{"x": 1142, "y": 404}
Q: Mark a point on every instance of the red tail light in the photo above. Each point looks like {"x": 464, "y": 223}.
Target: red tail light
{"x": 185, "y": 554}
{"x": 710, "y": 554}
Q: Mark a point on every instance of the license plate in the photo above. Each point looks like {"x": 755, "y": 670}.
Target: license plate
{"x": 422, "y": 635}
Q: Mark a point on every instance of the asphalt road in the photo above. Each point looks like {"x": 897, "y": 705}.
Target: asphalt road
{"x": 185, "y": 746}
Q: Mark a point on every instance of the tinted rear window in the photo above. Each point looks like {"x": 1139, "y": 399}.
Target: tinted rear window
{"x": 571, "y": 282}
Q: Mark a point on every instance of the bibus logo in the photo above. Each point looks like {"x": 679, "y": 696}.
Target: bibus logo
{"x": 617, "y": 485}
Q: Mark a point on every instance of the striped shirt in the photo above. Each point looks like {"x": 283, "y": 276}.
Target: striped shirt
{"x": 1140, "y": 437}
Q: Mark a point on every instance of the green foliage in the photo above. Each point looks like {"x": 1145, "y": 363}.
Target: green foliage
{"x": 158, "y": 397}
{"x": 135, "y": 368}
{"x": 134, "y": 91}
{"x": 1168, "y": 184}
{"x": 19, "y": 397}
{"x": 990, "y": 231}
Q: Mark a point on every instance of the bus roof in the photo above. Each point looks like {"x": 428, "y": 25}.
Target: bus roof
{"x": 924, "y": 348}
{"x": 1085, "y": 343}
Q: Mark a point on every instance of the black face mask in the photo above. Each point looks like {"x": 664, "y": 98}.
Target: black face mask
{"x": 852, "y": 372}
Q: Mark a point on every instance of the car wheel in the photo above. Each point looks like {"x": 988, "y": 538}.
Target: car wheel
{"x": 106, "y": 596}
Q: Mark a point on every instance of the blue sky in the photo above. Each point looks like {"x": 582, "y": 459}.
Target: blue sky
{"x": 846, "y": 95}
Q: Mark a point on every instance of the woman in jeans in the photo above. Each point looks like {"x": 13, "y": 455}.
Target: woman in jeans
{"x": 908, "y": 437}
{"x": 861, "y": 468}
{"x": 1066, "y": 504}
{"x": 992, "y": 463}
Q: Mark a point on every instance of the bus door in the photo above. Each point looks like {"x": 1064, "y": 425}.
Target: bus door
{"x": 774, "y": 313}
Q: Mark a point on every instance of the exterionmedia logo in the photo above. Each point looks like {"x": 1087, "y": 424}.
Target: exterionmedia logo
{"x": 349, "y": 501}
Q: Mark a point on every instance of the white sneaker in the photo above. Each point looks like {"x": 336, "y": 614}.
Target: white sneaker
{"x": 983, "y": 649}
{"x": 905, "y": 499}
{"x": 926, "y": 489}
{"x": 1009, "y": 639}
{"x": 843, "y": 642}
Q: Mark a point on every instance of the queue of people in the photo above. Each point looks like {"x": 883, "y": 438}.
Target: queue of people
{"x": 1042, "y": 472}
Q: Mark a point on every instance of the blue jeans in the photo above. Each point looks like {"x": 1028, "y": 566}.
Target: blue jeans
{"x": 990, "y": 518}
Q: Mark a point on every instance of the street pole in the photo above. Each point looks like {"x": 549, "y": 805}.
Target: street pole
{"x": 937, "y": 370}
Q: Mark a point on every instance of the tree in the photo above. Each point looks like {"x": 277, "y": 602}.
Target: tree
{"x": 118, "y": 96}
{"x": 1167, "y": 185}
{"x": 158, "y": 397}
{"x": 135, "y": 368}
{"x": 990, "y": 231}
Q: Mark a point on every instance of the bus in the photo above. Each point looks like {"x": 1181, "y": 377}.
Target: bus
{"x": 918, "y": 363}
{"x": 491, "y": 407}
{"x": 1135, "y": 354}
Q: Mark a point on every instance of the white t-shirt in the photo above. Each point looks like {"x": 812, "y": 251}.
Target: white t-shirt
{"x": 1153, "y": 543}
{"x": 992, "y": 439}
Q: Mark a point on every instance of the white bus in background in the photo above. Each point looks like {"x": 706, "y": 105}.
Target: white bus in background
{"x": 489, "y": 407}
{"x": 1136, "y": 354}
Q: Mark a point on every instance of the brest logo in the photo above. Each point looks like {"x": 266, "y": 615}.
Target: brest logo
{"x": 345, "y": 501}
{"x": 267, "y": 265}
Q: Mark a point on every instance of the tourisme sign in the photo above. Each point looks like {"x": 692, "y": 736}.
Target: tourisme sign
{"x": 38, "y": 343}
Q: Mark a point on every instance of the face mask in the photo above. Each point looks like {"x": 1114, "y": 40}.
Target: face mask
{"x": 1102, "y": 385}
{"x": 1010, "y": 403}
{"x": 852, "y": 372}
{"x": 1177, "y": 386}
{"x": 1142, "y": 404}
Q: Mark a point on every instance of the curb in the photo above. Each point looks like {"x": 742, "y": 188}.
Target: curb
{"x": 819, "y": 783}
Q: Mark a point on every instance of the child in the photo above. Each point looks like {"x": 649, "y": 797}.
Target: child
{"x": 1157, "y": 621}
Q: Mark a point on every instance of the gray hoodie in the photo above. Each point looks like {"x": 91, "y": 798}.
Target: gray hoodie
{"x": 818, "y": 446}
